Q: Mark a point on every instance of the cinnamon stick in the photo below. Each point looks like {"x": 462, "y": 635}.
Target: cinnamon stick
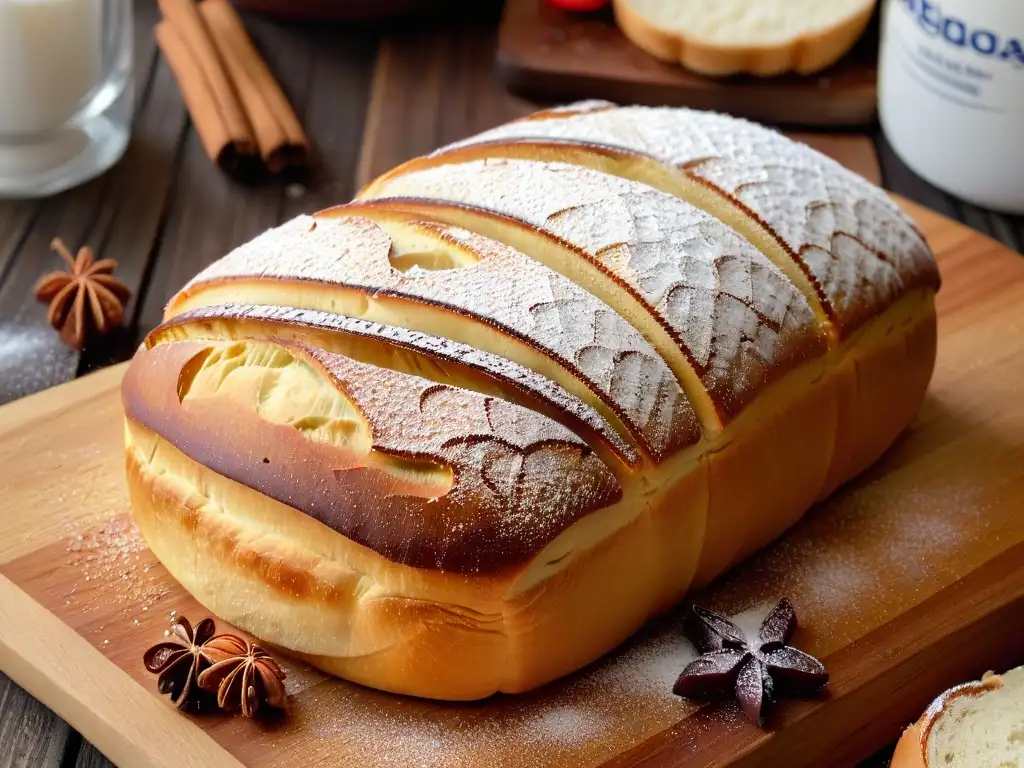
{"x": 217, "y": 140}
{"x": 211, "y": 98}
{"x": 279, "y": 135}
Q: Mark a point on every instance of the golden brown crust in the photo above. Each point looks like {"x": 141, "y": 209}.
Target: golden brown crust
{"x": 516, "y": 479}
{"x": 910, "y": 749}
{"x": 399, "y": 508}
{"x": 433, "y": 357}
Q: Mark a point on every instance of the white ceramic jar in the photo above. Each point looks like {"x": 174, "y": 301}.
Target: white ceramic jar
{"x": 951, "y": 95}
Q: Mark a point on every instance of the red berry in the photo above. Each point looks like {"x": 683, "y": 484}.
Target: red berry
{"x": 579, "y": 5}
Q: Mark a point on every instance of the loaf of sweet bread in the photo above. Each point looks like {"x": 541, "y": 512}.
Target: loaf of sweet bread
{"x": 469, "y": 432}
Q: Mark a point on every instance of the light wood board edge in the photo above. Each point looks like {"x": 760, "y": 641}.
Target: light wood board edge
{"x": 128, "y": 724}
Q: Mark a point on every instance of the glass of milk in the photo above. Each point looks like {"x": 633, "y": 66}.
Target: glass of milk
{"x": 951, "y": 95}
{"x": 65, "y": 92}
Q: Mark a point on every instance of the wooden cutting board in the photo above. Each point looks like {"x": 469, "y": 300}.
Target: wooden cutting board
{"x": 548, "y": 54}
{"x": 905, "y": 582}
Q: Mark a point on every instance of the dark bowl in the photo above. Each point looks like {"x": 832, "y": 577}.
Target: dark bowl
{"x": 358, "y": 10}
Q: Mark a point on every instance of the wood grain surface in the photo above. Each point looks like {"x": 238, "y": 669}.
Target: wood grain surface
{"x": 894, "y": 618}
{"x": 330, "y": 73}
{"x": 554, "y": 55}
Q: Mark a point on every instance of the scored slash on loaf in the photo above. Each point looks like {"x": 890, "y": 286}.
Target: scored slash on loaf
{"x": 469, "y": 432}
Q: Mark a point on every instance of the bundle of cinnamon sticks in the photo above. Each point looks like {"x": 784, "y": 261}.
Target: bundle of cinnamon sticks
{"x": 238, "y": 108}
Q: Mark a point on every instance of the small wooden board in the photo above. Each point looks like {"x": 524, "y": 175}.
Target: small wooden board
{"x": 907, "y": 581}
{"x": 548, "y": 54}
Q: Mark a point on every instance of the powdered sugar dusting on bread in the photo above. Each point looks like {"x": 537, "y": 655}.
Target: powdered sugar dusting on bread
{"x": 498, "y": 287}
{"x": 738, "y": 319}
{"x": 273, "y": 319}
{"x": 856, "y": 243}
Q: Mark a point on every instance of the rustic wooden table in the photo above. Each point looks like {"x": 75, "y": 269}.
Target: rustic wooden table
{"x": 369, "y": 99}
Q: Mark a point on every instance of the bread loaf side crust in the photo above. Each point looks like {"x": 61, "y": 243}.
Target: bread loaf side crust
{"x": 426, "y": 632}
{"x": 412, "y": 631}
{"x": 445, "y": 478}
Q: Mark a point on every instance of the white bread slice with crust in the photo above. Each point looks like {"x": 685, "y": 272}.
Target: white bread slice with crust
{"x": 464, "y": 498}
{"x": 974, "y": 725}
{"x": 758, "y": 37}
{"x": 489, "y": 295}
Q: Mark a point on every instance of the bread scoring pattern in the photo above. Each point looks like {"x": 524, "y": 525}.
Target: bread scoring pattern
{"x": 739, "y": 322}
{"x": 497, "y": 297}
{"x": 859, "y": 249}
{"x": 369, "y": 342}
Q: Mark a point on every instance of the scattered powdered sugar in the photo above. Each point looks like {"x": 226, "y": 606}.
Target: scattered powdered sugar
{"x": 863, "y": 554}
{"x": 836, "y": 580}
{"x": 566, "y": 725}
{"x": 749, "y": 621}
{"x": 30, "y": 361}
{"x": 649, "y": 666}
{"x": 117, "y": 557}
{"x": 584, "y": 719}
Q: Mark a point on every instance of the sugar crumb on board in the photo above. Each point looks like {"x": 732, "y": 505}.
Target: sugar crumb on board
{"x": 115, "y": 558}
{"x": 860, "y": 552}
{"x": 584, "y": 719}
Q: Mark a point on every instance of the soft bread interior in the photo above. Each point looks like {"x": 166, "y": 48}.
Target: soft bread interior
{"x": 749, "y": 23}
{"x": 760, "y": 37}
{"x": 982, "y": 728}
{"x": 633, "y": 166}
{"x": 284, "y": 389}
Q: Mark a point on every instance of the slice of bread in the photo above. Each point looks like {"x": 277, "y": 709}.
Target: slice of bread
{"x": 759, "y": 37}
{"x": 975, "y": 725}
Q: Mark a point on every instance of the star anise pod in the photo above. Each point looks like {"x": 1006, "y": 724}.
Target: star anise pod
{"x": 754, "y": 674}
{"x": 243, "y": 676}
{"x": 84, "y": 298}
{"x": 180, "y": 660}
